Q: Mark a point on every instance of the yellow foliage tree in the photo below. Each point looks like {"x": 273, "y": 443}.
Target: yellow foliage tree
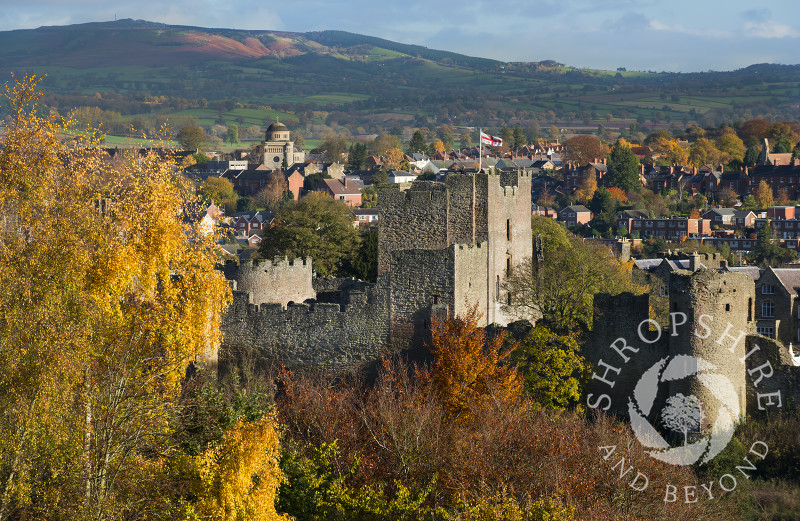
{"x": 587, "y": 187}
{"x": 468, "y": 369}
{"x": 239, "y": 477}
{"x": 108, "y": 291}
{"x": 394, "y": 158}
{"x": 763, "y": 195}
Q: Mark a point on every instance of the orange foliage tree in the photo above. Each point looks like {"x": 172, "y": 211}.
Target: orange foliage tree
{"x": 468, "y": 371}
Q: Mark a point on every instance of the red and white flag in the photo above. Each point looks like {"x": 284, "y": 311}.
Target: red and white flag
{"x": 495, "y": 141}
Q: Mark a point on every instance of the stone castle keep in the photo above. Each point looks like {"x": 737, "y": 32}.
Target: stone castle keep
{"x": 442, "y": 247}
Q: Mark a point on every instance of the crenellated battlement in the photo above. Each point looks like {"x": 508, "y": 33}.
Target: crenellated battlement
{"x": 280, "y": 280}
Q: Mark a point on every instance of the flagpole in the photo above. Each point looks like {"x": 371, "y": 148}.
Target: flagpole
{"x": 480, "y": 148}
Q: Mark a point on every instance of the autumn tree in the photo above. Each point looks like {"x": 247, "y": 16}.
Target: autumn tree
{"x": 584, "y": 149}
{"x": 100, "y": 315}
{"x": 763, "y": 195}
{"x": 220, "y": 191}
{"x": 192, "y": 137}
{"x": 318, "y": 227}
{"x": 383, "y": 143}
{"x": 273, "y": 192}
{"x": 623, "y": 167}
{"x": 753, "y": 131}
{"x": 728, "y": 197}
{"x": 468, "y": 369}
{"x": 395, "y": 159}
{"x": 334, "y": 147}
{"x": 465, "y": 139}
{"x": 703, "y": 152}
{"x": 587, "y": 186}
{"x": 731, "y": 148}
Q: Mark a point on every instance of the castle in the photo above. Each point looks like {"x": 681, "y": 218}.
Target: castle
{"x": 442, "y": 248}
{"x": 699, "y": 313}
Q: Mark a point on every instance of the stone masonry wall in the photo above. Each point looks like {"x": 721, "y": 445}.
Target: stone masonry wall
{"x": 312, "y": 335}
{"x": 416, "y": 218}
{"x": 279, "y": 281}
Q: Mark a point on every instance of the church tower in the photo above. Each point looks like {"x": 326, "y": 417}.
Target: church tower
{"x": 279, "y": 149}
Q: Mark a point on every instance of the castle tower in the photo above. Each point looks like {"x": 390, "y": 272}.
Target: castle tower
{"x": 488, "y": 211}
{"x": 717, "y": 306}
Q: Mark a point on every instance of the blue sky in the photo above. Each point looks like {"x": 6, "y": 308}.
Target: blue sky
{"x": 677, "y": 35}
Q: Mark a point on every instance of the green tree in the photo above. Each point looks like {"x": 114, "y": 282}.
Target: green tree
{"x": 519, "y": 138}
{"x": 465, "y": 139}
{"x": 192, "y": 137}
{"x": 507, "y": 135}
{"x": 220, "y": 191}
{"x": 318, "y": 227}
{"x": 232, "y": 134}
{"x": 751, "y": 155}
{"x": 768, "y": 251}
{"x": 364, "y": 264}
{"x": 623, "y": 167}
{"x": 357, "y": 157}
{"x": 560, "y": 289}
{"x": 551, "y": 367}
{"x": 417, "y": 143}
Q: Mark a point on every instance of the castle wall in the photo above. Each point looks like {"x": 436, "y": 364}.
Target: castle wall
{"x": 279, "y": 281}
{"x": 470, "y": 284}
{"x": 418, "y": 280}
{"x": 616, "y": 323}
{"x": 412, "y": 219}
{"x": 312, "y": 335}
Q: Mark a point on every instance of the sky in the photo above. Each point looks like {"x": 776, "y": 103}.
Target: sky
{"x": 656, "y": 35}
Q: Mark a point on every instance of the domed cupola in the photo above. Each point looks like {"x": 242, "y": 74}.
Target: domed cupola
{"x": 277, "y": 132}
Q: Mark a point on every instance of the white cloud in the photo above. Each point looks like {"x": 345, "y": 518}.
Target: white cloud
{"x": 679, "y": 29}
{"x": 770, "y": 29}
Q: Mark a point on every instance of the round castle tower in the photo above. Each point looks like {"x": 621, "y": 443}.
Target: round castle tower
{"x": 717, "y": 306}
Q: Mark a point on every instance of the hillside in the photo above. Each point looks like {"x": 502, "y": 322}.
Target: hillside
{"x": 137, "y": 67}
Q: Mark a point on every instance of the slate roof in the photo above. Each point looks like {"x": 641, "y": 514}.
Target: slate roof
{"x": 790, "y": 278}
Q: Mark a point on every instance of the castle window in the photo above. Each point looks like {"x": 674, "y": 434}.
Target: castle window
{"x": 727, "y": 307}
{"x": 435, "y": 299}
{"x": 767, "y": 309}
{"x": 767, "y": 289}
{"x": 508, "y": 229}
{"x": 497, "y": 288}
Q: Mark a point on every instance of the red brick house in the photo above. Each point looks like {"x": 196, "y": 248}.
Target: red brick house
{"x": 343, "y": 190}
{"x": 574, "y": 215}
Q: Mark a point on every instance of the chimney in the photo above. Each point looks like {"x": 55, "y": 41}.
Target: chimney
{"x": 604, "y": 160}
{"x": 672, "y": 170}
{"x": 694, "y": 171}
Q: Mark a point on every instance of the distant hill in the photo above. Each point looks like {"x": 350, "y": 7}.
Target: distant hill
{"x": 137, "y": 66}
